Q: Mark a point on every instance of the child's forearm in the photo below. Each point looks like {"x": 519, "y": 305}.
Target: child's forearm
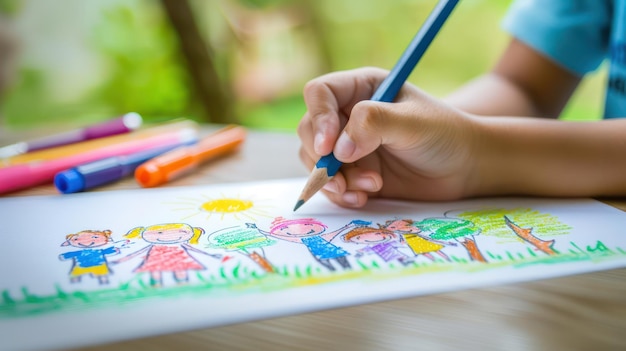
{"x": 549, "y": 158}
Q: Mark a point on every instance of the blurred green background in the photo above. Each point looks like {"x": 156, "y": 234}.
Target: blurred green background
{"x": 74, "y": 62}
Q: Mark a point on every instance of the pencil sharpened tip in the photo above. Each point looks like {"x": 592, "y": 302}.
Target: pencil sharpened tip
{"x": 300, "y": 203}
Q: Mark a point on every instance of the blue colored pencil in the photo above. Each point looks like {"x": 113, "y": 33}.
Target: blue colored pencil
{"x": 328, "y": 165}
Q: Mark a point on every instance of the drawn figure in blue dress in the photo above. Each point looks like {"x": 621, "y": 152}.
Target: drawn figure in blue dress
{"x": 91, "y": 258}
{"x": 312, "y": 233}
{"x": 379, "y": 241}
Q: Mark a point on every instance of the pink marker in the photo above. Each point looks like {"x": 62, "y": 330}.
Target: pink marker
{"x": 22, "y": 176}
{"x": 123, "y": 124}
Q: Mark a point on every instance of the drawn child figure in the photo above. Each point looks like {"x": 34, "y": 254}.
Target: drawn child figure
{"x": 91, "y": 258}
{"x": 311, "y": 233}
{"x": 169, "y": 251}
{"x": 454, "y": 229}
{"x": 419, "y": 244}
{"x": 379, "y": 241}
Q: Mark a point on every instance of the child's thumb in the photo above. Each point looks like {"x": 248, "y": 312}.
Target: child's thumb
{"x": 369, "y": 125}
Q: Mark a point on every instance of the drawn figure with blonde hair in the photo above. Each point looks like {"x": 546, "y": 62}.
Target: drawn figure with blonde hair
{"x": 379, "y": 241}
{"x": 91, "y": 258}
{"x": 169, "y": 251}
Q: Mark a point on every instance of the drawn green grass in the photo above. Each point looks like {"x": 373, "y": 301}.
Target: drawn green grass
{"x": 458, "y": 259}
{"x": 241, "y": 280}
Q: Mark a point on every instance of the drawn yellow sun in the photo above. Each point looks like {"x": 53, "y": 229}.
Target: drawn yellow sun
{"x": 226, "y": 205}
{"x": 223, "y": 206}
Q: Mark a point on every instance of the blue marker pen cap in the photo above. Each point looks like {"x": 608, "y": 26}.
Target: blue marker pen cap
{"x": 69, "y": 181}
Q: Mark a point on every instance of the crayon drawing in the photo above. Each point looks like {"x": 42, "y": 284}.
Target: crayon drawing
{"x": 313, "y": 234}
{"x": 378, "y": 241}
{"x": 89, "y": 259}
{"x": 169, "y": 250}
{"x": 237, "y": 252}
{"x": 221, "y": 206}
{"x": 245, "y": 240}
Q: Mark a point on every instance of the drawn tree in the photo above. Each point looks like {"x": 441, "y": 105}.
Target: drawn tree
{"x": 245, "y": 240}
{"x": 526, "y": 234}
{"x": 527, "y": 225}
{"x": 453, "y": 229}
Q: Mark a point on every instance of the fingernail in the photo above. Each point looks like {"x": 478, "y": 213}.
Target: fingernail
{"x": 331, "y": 186}
{"x": 344, "y": 148}
{"x": 366, "y": 184}
{"x": 350, "y": 198}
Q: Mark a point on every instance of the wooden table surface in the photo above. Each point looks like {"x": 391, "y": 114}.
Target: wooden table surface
{"x": 582, "y": 312}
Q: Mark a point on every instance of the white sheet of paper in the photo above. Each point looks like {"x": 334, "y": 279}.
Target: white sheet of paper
{"x": 99, "y": 267}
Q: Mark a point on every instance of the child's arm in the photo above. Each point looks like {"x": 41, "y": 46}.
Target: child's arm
{"x": 551, "y": 158}
{"x": 131, "y": 256}
{"x": 535, "y": 157}
{"x": 354, "y": 223}
{"x": 254, "y": 226}
{"x": 66, "y": 256}
{"x": 191, "y": 248}
{"x": 522, "y": 83}
{"x": 266, "y": 233}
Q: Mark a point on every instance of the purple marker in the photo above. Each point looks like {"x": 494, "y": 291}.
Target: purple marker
{"x": 108, "y": 170}
{"x": 123, "y": 124}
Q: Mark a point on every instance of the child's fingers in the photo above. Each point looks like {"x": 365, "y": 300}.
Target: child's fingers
{"x": 321, "y": 122}
{"x": 335, "y": 188}
{"x": 399, "y": 126}
{"x": 329, "y": 100}
{"x": 364, "y": 132}
{"x": 352, "y": 199}
{"x": 352, "y": 178}
{"x": 306, "y": 134}
{"x": 305, "y": 157}
{"x": 358, "y": 179}
{"x": 352, "y": 186}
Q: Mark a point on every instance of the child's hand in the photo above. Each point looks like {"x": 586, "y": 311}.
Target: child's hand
{"x": 416, "y": 148}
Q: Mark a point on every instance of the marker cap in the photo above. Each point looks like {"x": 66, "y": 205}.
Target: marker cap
{"x": 149, "y": 175}
{"x": 124, "y": 124}
{"x": 69, "y": 181}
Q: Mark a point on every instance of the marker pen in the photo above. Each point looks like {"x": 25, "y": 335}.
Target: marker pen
{"x": 124, "y": 124}
{"x": 182, "y": 160}
{"x": 108, "y": 170}
{"x": 26, "y": 175}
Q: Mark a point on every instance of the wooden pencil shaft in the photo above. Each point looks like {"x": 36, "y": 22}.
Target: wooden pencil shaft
{"x": 389, "y": 88}
{"x": 317, "y": 179}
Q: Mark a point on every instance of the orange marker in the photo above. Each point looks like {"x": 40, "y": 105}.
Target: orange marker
{"x": 182, "y": 160}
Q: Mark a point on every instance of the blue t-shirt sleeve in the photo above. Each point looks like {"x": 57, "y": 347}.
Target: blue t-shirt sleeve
{"x": 70, "y": 254}
{"x": 573, "y": 33}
